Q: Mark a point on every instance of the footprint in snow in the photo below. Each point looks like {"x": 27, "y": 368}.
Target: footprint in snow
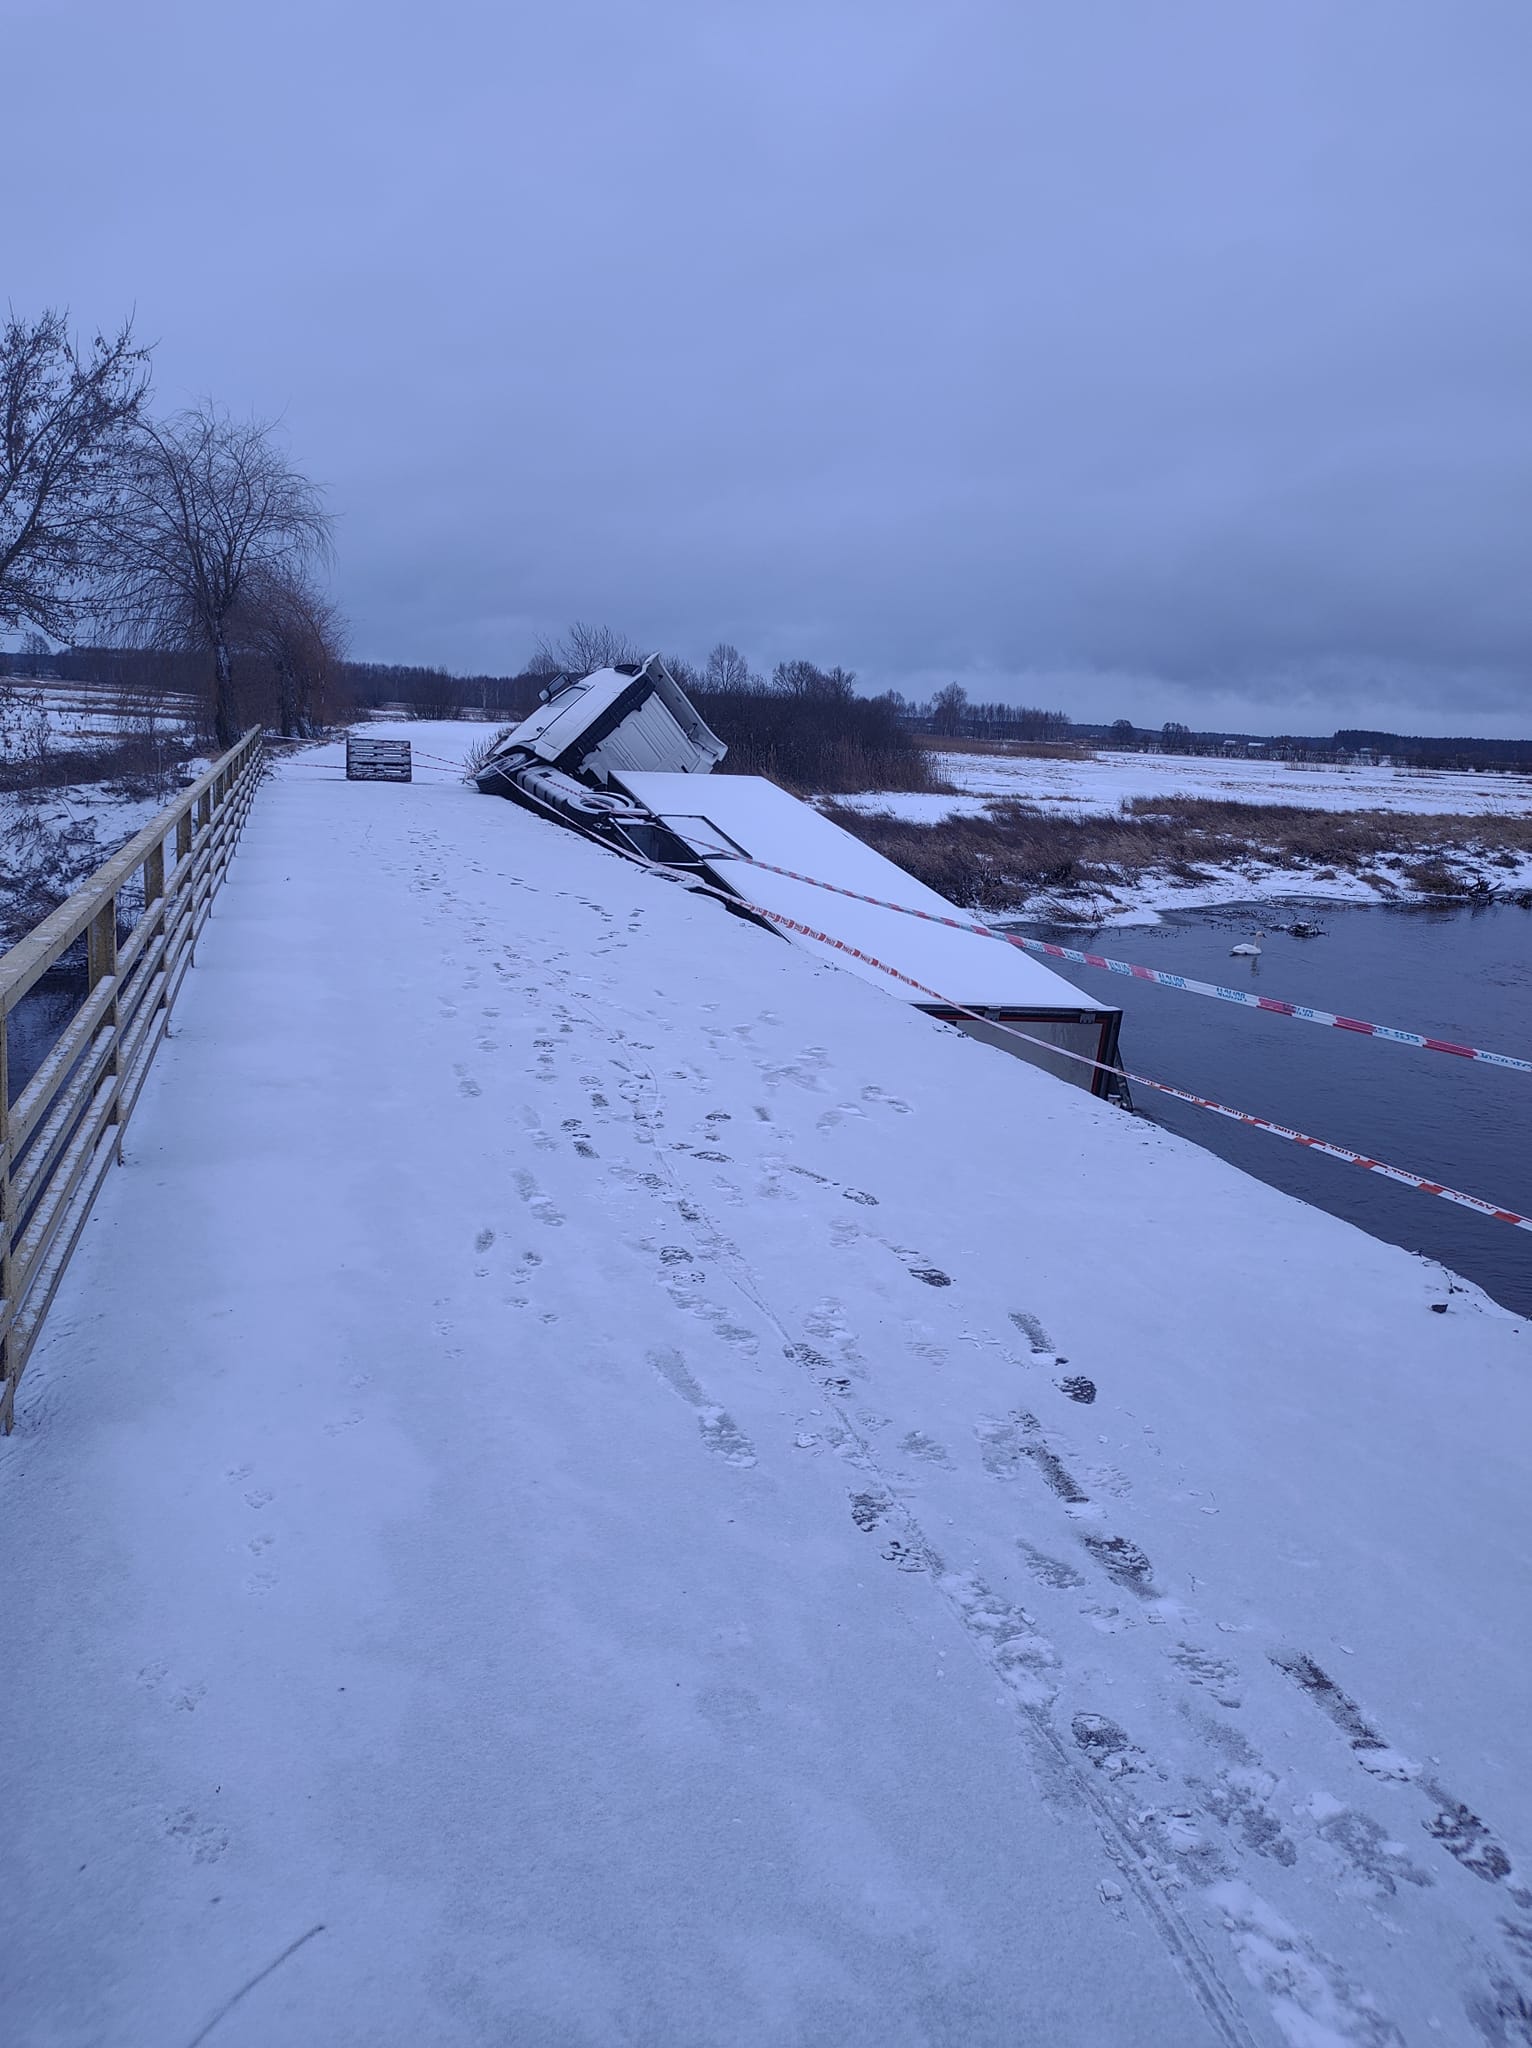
{"x": 883, "y": 1101}
{"x": 724, "y": 1437}
{"x": 919, "y": 1445}
{"x": 1370, "y": 1850}
{"x": 1109, "y": 1747}
{"x": 1049, "y": 1571}
{"x": 1239, "y": 1803}
{"x": 1037, "y": 1337}
{"x": 868, "y": 1509}
{"x": 205, "y": 1839}
{"x": 720, "y": 1433}
{"x": 542, "y": 1207}
{"x": 1123, "y": 1562}
{"x": 1215, "y": 1674}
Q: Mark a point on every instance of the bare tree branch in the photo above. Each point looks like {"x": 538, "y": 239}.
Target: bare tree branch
{"x": 582, "y": 651}
{"x": 209, "y": 505}
{"x": 66, "y": 416}
{"x": 284, "y": 618}
{"x": 727, "y": 669}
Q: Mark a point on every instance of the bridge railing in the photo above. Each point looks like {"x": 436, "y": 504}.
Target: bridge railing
{"x": 63, "y": 1130}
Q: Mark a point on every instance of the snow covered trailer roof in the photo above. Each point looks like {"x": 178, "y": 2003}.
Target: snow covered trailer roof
{"x": 613, "y": 719}
{"x": 734, "y": 815}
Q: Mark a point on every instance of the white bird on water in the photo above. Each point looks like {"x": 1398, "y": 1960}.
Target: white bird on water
{"x": 1250, "y": 950}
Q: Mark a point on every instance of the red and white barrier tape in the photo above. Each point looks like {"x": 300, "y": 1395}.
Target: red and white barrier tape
{"x": 1239, "y": 1116}
{"x": 1396, "y": 1173}
{"x": 1197, "y": 988}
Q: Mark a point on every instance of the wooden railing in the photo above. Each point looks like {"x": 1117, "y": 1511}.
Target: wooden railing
{"x": 64, "y": 1130}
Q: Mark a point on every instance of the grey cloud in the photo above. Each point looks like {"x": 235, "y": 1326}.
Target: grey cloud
{"x": 1175, "y": 358}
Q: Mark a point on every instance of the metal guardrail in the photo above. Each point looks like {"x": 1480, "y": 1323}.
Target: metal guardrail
{"x": 64, "y": 1130}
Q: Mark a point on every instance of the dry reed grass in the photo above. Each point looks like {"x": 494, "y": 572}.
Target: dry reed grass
{"x": 1014, "y": 851}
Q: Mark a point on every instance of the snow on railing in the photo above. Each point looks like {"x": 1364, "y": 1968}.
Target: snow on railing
{"x": 64, "y": 1128}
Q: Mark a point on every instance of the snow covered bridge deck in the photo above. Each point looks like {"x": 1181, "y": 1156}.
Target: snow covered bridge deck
{"x": 596, "y": 1481}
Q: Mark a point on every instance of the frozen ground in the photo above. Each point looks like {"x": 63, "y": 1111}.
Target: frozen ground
{"x": 595, "y": 1481}
{"x": 1104, "y": 783}
{"x": 1253, "y": 881}
{"x": 51, "y": 840}
{"x": 79, "y": 716}
{"x": 52, "y": 837}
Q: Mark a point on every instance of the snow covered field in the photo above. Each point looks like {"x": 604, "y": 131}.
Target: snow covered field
{"x": 596, "y": 1481}
{"x": 53, "y": 835}
{"x": 1104, "y": 783}
{"x": 79, "y": 716}
{"x": 1101, "y": 786}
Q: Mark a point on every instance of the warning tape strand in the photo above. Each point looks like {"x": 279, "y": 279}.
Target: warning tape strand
{"x": 1245, "y": 997}
{"x": 1240, "y": 1116}
{"x": 1344, "y": 1153}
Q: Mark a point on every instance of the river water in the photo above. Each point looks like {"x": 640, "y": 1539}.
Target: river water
{"x": 1450, "y": 973}
{"x": 33, "y": 1027}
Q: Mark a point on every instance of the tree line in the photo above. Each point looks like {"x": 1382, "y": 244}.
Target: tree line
{"x": 805, "y": 726}
{"x": 190, "y": 537}
{"x": 951, "y": 714}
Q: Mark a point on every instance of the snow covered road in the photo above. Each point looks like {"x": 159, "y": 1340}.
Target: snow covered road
{"x": 632, "y": 1490}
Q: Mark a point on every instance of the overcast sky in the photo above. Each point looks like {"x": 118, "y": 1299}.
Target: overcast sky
{"x": 1152, "y": 358}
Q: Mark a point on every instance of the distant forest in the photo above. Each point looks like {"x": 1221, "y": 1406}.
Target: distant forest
{"x": 806, "y": 726}
{"x": 1424, "y": 752}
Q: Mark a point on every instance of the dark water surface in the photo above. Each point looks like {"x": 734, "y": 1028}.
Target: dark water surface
{"x": 1448, "y": 973}
{"x": 35, "y": 1025}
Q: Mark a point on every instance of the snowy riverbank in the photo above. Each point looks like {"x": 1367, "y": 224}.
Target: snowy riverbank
{"x": 81, "y": 770}
{"x": 1197, "y": 836}
{"x": 594, "y": 1479}
{"x": 1148, "y": 897}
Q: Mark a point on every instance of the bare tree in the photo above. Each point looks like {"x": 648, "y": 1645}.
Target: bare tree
{"x": 65, "y": 417}
{"x": 727, "y": 669}
{"x": 948, "y": 708}
{"x": 209, "y": 504}
{"x": 582, "y": 651}
{"x": 681, "y": 671}
{"x": 283, "y": 617}
{"x": 803, "y": 679}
